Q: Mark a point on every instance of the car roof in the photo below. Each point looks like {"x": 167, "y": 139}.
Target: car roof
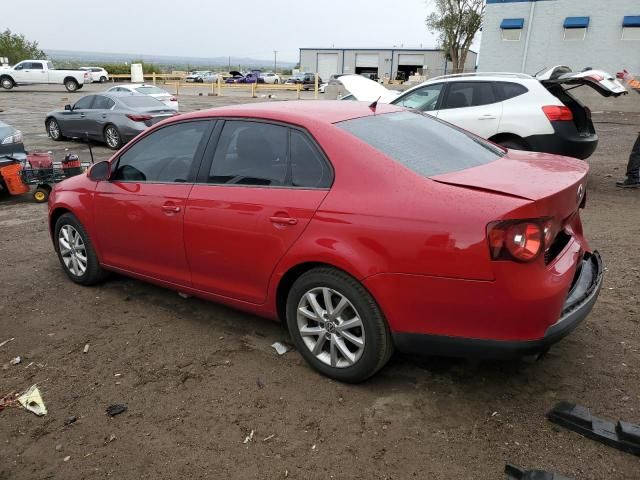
{"x": 134, "y": 85}
{"x": 297, "y": 112}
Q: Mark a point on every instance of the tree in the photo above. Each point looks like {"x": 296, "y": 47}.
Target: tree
{"x": 17, "y": 48}
{"x": 457, "y": 22}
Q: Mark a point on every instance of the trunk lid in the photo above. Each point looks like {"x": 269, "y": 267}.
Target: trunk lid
{"x": 602, "y": 82}
{"x": 366, "y": 90}
{"x": 557, "y": 184}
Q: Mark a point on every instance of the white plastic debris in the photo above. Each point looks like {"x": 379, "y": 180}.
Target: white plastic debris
{"x": 15, "y": 361}
{"x": 2, "y": 344}
{"x": 281, "y": 348}
{"x": 249, "y": 437}
{"x": 32, "y": 401}
{"x": 86, "y": 348}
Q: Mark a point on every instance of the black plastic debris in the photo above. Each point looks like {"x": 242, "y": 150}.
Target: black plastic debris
{"x": 517, "y": 473}
{"x": 116, "y": 409}
{"x": 622, "y": 435}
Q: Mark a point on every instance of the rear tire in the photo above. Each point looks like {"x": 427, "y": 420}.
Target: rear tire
{"x": 76, "y": 253}
{"x": 103, "y": 79}
{"x": 71, "y": 85}
{"x": 276, "y": 81}
{"x": 112, "y": 137}
{"x": 360, "y": 326}
{"x": 7, "y": 83}
{"x": 513, "y": 144}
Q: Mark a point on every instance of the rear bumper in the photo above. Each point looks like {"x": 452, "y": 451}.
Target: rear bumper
{"x": 579, "y": 303}
{"x": 564, "y": 141}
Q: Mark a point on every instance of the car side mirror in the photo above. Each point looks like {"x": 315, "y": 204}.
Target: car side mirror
{"x": 68, "y": 107}
{"x": 100, "y": 172}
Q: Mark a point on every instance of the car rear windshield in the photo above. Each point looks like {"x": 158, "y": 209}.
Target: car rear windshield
{"x": 422, "y": 143}
{"x": 141, "y": 101}
{"x": 150, "y": 90}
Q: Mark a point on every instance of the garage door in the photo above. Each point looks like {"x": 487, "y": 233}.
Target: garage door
{"x": 327, "y": 65}
{"x": 411, "y": 59}
{"x": 367, "y": 60}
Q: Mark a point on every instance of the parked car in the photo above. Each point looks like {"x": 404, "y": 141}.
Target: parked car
{"x": 251, "y": 77}
{"x": 35, "y": 72}
{"x": 198, "y": 76}
{"x": 271, "y": 78}
{"x": 113, "y": 118}
{"x": 97, "y": 74}
{"x": 517, "y": 111}
{"x": 361, "y": 227}
{"x": 210, "y": 77}
{"x": 307, "y": 80}
{"x": 158, "y": 93}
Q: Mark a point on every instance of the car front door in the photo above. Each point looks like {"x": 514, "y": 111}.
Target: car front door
{"x": 22, "y": 72}
{"x": 139, "y": 212}
{"x": 472, "y": 105}
{"x": 426, "y": 99}
{"x": 75, "y": 122}
{"x": 259, "y": 186}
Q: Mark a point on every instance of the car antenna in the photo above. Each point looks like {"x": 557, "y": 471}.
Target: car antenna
{"x": 86, "y": 134}
{"x": 374, "y": 105}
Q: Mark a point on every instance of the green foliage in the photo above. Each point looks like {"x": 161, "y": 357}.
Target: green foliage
{"x": 17, "y": 48}
{"x": 457, "y": 22}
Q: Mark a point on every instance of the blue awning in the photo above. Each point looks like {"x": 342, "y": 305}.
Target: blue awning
{"x": 576, "y": 22}
{"x": 631, "y": 21}
{"x": 512, "y": 24}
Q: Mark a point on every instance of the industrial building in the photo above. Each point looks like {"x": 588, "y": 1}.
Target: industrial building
{"x": 389, "y": 63}
{"x": 529, "y": 35}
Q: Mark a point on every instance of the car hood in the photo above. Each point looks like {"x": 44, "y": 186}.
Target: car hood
{"x": 235, "y": 73}
{"x": 528, "y": 175}
{"x": 366, "y": 90}
{"x": 602, "y": 82}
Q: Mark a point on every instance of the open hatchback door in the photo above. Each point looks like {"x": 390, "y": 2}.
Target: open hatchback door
{"x": 366, "y": 90}
{"x": 602, "y": 82}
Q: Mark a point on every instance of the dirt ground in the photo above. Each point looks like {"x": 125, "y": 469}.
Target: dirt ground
{"x": 199, "y": 378}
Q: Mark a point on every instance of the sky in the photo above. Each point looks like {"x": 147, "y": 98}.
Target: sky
{"x": 213, "y": 28}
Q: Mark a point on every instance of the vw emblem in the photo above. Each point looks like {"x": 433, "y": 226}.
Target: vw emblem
{"x": 580, "y": 193}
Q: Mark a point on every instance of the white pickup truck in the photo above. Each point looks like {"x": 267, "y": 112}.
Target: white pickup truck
{"x": 30, "y": 72}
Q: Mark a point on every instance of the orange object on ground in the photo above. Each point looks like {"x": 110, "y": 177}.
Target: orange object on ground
{"x": 11, "y": 175}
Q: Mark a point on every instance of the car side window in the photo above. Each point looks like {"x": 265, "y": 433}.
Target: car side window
{"x": 164, "y": 156}
{"x": 250, "y": 153}
{"x": 308, "y": 167}
{"x": 469, "y": 94}
{"x": 37, "y": 66}
{"x": 102, "y": 103}
{"x": 424, "y": 99}
{"x": 510, "y": 90}
{"x": 20, "y": 66}
{"x": 84, "y": 103}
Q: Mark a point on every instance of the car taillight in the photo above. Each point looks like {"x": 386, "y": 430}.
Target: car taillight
{"x": 558, "y": 113}
{"x": 139, "y": 118}
{"x": 520, "y": 240}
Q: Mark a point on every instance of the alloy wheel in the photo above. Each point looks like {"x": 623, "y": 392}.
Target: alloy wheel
{"x": 331, "y": 327}
{"x": 72, "y": 250}
{"x": 54, "y": 129}
{"x": 112, "y": 137}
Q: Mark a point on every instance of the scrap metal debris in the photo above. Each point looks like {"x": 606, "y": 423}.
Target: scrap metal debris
{"x": 249, "y": 437}
{"x": 621, "y": 435}
{"x": 70, "y": 420}
{"x": 2, "y": 344}
{"x": 15, "y": 361}
{"x": 517, "y": 473}
{"x": 116, "y": 409}
{"x": 32, "y": 401}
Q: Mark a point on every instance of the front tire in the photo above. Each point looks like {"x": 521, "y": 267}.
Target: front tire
{"x": 276, "y": 81}
{"x": 337, "y": 326}
{"x": 76, "y": 253}
{"x": 103, "y": 79}
{"x": 112, "y": 137}
{"x": 53, "y": 130}
{"x": 7, "y": 83}
{"x": 71, "y": 85}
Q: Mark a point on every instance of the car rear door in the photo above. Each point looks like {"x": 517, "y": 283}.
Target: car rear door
{"x": 472, "y": 105}
{"x": 259, "y": 186}
{"x": 139, "y": 212}
{"x": 97, "y": 117}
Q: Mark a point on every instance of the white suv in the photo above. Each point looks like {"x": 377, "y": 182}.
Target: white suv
{"x": 514, "y": 110}
{"x": 98, "y": 74}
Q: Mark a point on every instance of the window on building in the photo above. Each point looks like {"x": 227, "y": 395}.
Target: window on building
{"x": 631, "y": 27}
{"x": 575, "y": 28}
{"x": 512, "y": 29}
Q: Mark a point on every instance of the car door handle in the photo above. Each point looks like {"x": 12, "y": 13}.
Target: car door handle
{"x": 284, "y": 220}
{"x": 82, "y": 115}
{"x": 171, "y": 208}
{"x": 487, "y": 117}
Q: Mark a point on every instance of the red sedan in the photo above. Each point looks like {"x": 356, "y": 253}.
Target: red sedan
{"x": 366, "y": 229}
